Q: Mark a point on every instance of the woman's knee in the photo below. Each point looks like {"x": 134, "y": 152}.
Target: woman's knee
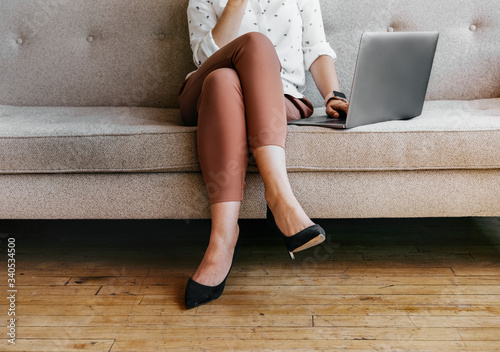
{"x": 258, "y": 50}
{"x": 221, "y": 80}
{"x": 221, "y": 95}
{"x": 256, "y": 39}
{"x": 258, "y": 43}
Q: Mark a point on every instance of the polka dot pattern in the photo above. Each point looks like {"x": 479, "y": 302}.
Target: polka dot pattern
{"x": 295, "y": 27}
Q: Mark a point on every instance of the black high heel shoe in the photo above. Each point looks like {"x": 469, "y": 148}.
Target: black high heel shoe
{"x": 197, "y": 294}
{"x": 307, "y": 238}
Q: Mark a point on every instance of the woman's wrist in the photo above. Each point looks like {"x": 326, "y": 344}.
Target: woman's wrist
{"x": 335, "y": 95}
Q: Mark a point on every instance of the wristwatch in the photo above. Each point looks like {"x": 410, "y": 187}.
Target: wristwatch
{"x": 335, "y": 95}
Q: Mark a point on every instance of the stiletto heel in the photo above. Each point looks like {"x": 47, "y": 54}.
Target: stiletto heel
{"x": 198, "y": 294}
{"x": 307, "y": 238}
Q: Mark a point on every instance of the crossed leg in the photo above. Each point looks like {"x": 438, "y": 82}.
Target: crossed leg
{"x": 236, "y": 99}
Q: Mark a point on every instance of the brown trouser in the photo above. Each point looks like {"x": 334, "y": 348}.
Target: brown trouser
{"x": 236, "y": 100}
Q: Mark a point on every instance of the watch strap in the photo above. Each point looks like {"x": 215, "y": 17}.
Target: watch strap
{"x": 335, "y": 95}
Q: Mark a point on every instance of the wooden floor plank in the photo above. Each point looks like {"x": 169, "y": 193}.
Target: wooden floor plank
{"x": 426, "y": 321}
{"x": 44, "y": 290}
{"x": 316, "y": 290}
{"x": 59, "y": 345}
{"x": 56, "y": 269}
{"x": 274, "y": 320}
{"x": 34, "y": 280}
{"x": 28, "y": 300}
{"x": 78, "y": 309}
{"x": 480, "y": 334}
{"x": 170, "y": 320}
{"x": 477, "y": 270}
{"x": 249, "y": 298}
{"x": 329, "y": 281}
{"x": 481, "y": 346}
{"x": 246, "y": 333}
{"x": 352, "y": 310}
{"x": 253, "y": 345}
{"x": 251, "y": 310}
{"x": 394, "y": 270}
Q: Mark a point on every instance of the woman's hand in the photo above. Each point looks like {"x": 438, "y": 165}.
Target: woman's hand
{"x": 229, "y": 23}
{"x": 237, "y": 2}
{"x": 325, "y": 77}
{"x": 337, "y": 108}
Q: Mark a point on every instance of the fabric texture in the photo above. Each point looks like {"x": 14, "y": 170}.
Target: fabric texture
{"x": 466, "y": 65}
{"x": 138, "y": 55}
{"x": 173, "y": 195}
{"x": 448, "y": 135}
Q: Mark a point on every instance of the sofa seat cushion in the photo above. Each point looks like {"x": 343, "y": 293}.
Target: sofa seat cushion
{"x": 94, "y": 139}
{"x": 448, "y": 135}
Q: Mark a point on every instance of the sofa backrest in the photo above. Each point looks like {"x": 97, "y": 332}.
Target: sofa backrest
{"x": 467, "y": 61}
{"x": 137, "y": 53}
{"x": 93, "y": 52}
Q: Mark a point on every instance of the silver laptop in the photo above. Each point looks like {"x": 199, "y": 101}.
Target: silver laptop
{"x": 390, "y": 80}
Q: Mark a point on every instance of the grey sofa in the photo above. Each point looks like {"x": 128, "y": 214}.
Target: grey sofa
{"x": 90, "y": 128}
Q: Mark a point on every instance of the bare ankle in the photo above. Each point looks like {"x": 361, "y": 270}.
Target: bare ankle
{"x": 271, "y": 199}
{"x": 281, "y": 200}
{"x": 225, "y": 236}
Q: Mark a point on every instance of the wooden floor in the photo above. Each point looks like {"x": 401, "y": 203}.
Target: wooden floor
{"x": 376, "y": 285}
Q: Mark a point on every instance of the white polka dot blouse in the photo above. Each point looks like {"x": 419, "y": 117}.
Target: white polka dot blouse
{"x": 295, "y": 27}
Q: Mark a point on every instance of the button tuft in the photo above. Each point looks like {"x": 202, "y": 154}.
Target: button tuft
{"x": 472, "y": 27}
{"x": 390, "y": 29}
{"x": 90, "y": 38}
{"x": 19, "y": 41}
{"x": 161, "y": 36}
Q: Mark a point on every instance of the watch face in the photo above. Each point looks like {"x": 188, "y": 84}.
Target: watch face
{"x": 339, "y": 94}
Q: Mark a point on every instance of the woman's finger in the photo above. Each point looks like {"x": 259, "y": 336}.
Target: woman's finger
{"x": 339, "y": 105}
{"x": 336, "y": 106}
{"x": 331, "y": 112}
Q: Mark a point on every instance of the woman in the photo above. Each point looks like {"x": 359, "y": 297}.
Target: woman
{"x": 251, "y": 57}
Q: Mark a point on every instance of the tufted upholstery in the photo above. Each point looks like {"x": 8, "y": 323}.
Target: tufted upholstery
{"x": 125, "y": 52}
{"x": 93, "y": 53}
{"x": 89, "y": 125}
{"x": 467, "y": 59}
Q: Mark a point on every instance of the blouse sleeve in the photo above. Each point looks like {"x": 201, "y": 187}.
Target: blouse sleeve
{"x": 314, "y": 42}
{"x": 201, "y": 20}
